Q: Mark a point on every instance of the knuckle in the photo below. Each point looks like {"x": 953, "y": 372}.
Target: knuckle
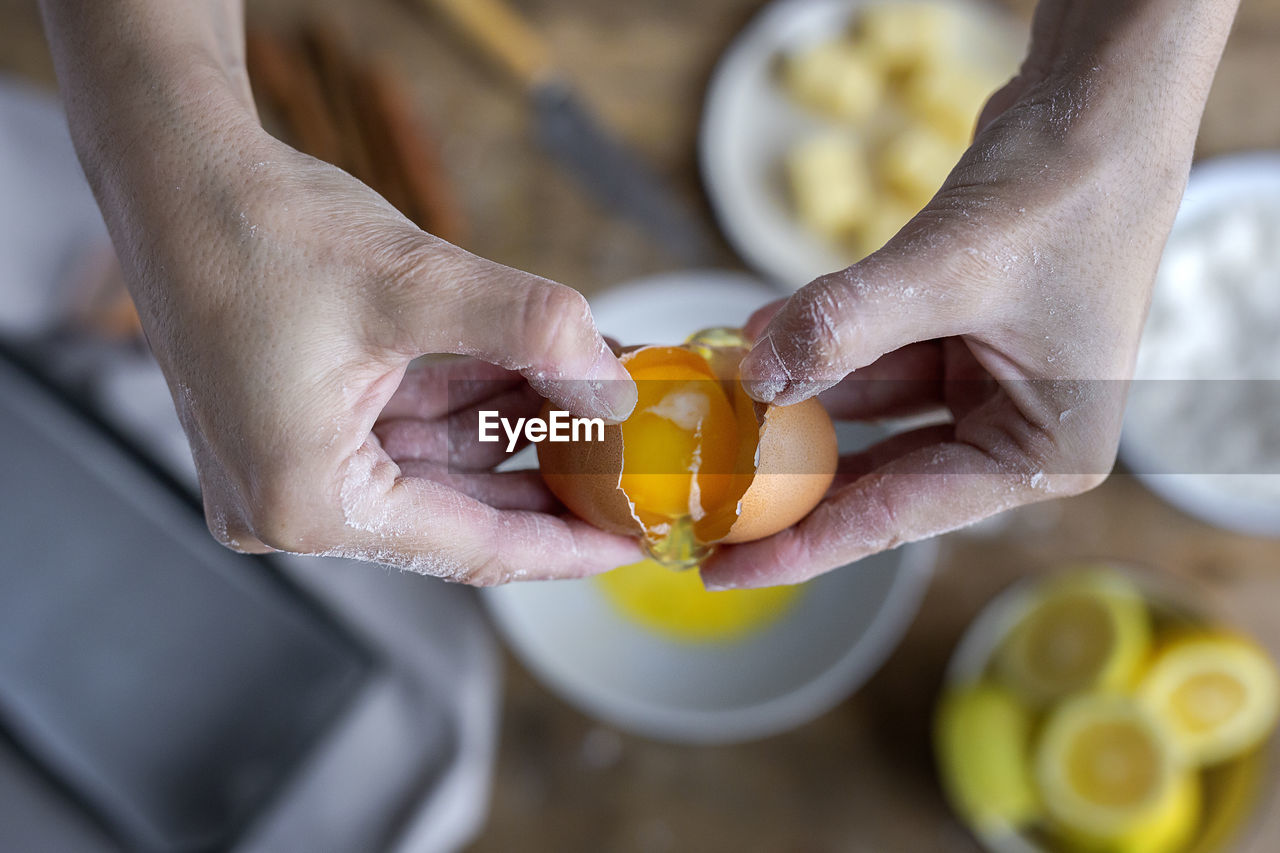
{"x": 885, "y": 522}
{"x": 280, "y": 518}
{"x": 412, "y": 259}
{"x": 486, "y": 557}
{"x": 488, "y": 571}
{"x": 227, "y": 531}
{"x": 872, "y": 520}
{"x": 821, "y": 315}
{"x": 1087, "y": 482}
{"x": 1085, "y": 468}
{"x": 1086, "y": 432}
{"x": 1048, "y": 461}
{"x": 412, "y": 268}
{"x": 1017, "y": 446}
{"x": 553, "y": 321}
{"x": 279, "y": 529}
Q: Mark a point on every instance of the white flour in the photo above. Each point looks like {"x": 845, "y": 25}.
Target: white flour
{"x": 1201, "y": 405}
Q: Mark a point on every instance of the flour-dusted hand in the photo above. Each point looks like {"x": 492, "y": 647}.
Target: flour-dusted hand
{"x": 285, "y": 300}
{"x": 1015, "y": 299}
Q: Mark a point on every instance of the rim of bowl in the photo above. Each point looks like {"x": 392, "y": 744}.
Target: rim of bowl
{"x": 864, "y": 656}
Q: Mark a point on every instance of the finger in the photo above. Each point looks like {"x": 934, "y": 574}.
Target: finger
{"x": 466, "y": 449}
{"x": 997, "y": 461}
{"x": 847, "y": 320}
{"x": 522, "y": 490}
{"x": 428, "y": 527}
{"x": 855, "y": 466}
{"x": 519, "y": 321}
{"x": 227, "y": 527}
{"x": 927, "y": 492}
{"x": 967, "y": 385}
{"x": 455, "y": 440}
{"x": 899, "y": 383}
{"x": 222, "y": 512}
{"x": 431, "y": 389}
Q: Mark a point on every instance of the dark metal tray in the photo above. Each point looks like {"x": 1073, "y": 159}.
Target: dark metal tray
{"x": 166, "y": 687}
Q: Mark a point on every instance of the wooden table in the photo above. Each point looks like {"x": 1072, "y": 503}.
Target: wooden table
{"x": 860, "y": 778}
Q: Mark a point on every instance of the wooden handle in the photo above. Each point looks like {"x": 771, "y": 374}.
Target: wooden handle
{"x": 282, "y": 77}
{"x": 410, "y": 155}
{"x": 500, "y": 32}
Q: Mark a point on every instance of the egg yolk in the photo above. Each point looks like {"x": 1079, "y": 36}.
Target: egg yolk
{"x": 681, "y": 444}
{"x": 676, "y": 605}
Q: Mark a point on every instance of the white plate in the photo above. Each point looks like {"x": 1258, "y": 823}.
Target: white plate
{"x": 1216, "y": 498}
{"x": 748, "y": 125}
{"x": 838, "y": 633}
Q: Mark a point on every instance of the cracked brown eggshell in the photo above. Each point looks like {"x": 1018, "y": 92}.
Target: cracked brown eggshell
{"x": 795, "y": 462}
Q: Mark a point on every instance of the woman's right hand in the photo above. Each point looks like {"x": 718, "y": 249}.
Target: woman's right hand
{"x": 285, "y": 300}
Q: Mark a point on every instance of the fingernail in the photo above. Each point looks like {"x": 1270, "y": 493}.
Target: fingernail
{"x": 716, "y": 581}
{"x": 714, "y": 585}
{"x": 618, "y": 397}
{"x": 612, "y": 388}
{"x": 615, "y": 397}
{"x": 764, "y": 376}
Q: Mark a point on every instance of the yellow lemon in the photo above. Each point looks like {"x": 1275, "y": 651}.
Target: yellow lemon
{"x": 1110, "y": 779}
{"x": 676, "y": 605}
{"x": 1085, "y": 630}
{"x": 982, "y": 737}
{"x": 1217, "y": 694}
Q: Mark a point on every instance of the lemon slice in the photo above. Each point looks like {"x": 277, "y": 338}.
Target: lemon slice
{"x": 1085, "y": 630}
{"x": 1217, "y": 694}
{"x": 1110, "y": 779}
{"x": 982, "y": 734}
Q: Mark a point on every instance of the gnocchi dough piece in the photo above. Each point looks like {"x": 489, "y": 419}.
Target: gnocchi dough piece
{"x": 831, "y": 183}
{"x": 948, "y": 97}
{"x": 916, "y": 162}
{"x": 835, "y": 78}
{"x": 884, "y": 221}
{"x": 905, "y": 34}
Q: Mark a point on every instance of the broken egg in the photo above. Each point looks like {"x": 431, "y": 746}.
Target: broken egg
{"x": 698, "y": 462}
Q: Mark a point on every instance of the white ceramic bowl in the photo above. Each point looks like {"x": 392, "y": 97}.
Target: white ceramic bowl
{"x": 835, "y": 636}
{"x": 1221, "y": 499}
{"x": 749, "y": 124}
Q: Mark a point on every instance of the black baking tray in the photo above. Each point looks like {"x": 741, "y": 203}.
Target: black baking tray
{"x": 165, "y": 687}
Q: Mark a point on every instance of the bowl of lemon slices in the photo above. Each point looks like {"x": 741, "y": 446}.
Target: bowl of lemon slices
{"x": 1097, "y": 709}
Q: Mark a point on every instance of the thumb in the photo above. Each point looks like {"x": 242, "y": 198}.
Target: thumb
{"x": 846, "y": 320}
{"x": 528, "y": 324}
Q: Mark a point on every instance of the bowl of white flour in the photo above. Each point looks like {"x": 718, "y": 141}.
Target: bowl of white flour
{"x": 1203, "y": 425}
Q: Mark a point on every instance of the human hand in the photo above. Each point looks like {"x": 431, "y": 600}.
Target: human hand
{"x": 283, "y": 361}
{"x": 1014, "y": 300}
{"x": 284, "y": 301}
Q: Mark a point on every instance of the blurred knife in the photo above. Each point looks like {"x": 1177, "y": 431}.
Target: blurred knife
{"x": 566, "y": 129}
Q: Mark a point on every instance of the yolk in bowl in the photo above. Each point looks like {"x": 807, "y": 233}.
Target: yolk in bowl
{"x": 677, "y": 606}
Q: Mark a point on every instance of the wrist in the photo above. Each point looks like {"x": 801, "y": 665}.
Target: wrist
{"x": 134, "y": 74}
{"x": 1133, "y": 63}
